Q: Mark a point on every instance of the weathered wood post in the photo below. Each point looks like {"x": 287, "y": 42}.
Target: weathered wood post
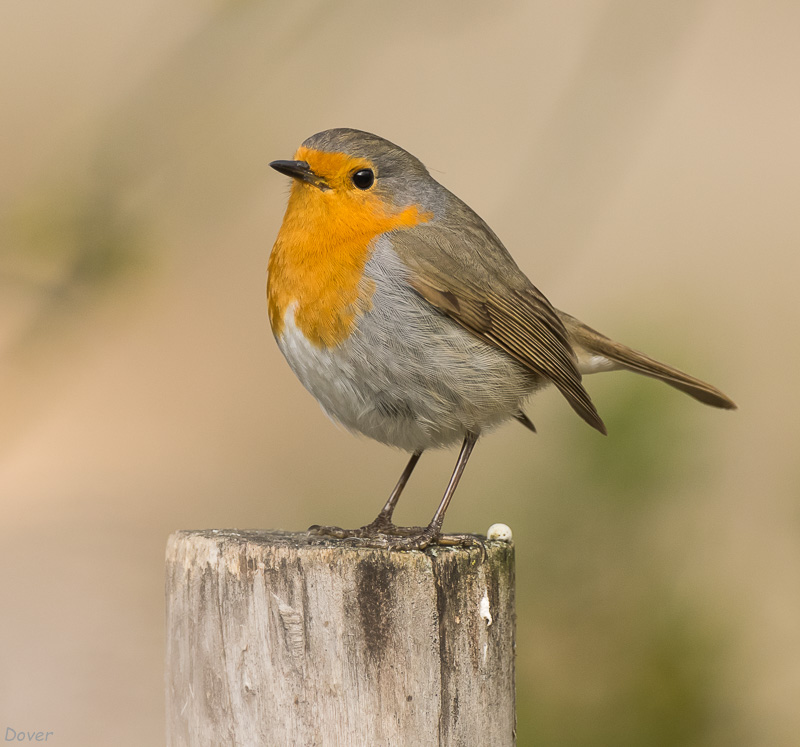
{"x": 277, "y": 639}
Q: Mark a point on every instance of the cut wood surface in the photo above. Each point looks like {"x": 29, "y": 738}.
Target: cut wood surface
{"x": 276, "y": 638}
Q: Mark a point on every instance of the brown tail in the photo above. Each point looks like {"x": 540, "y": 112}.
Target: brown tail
{"x": 588, "y": 344}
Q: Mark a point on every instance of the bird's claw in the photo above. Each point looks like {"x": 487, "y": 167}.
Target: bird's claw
{"x": 386, "y": 536}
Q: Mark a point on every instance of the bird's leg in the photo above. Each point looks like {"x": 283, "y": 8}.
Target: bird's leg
{"x": 432, "y": 533}
{"x": 418, "y": 538}
{"x": 463, "y": 457}
{"x": 382, "y": 525}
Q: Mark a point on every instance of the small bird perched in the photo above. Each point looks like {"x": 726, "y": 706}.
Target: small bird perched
{"x": 404, "y": 315}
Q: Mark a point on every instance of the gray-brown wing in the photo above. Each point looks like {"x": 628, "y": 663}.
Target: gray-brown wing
{"x": 483, "y": 290}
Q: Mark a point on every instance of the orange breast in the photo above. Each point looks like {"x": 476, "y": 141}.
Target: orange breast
{"x": 319, "y": 257}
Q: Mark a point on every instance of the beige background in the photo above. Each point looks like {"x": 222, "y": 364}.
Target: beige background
{"x": 642, "y": 163}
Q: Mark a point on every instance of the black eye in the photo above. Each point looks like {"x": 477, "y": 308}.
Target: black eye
{"x": 364, "y": 178}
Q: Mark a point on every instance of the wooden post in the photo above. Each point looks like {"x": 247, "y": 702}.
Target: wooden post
{"x": 280, "y": 639}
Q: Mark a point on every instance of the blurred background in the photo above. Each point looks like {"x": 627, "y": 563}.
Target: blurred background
{"x": 641, "y": 161}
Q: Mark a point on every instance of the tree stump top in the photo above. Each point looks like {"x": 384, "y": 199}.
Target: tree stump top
{"x": 284, "y": 638}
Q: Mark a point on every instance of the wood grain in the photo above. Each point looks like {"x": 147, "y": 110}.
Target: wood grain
{"x": 280, "y": 639}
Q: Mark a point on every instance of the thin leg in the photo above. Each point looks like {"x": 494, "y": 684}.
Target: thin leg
{"x": 418, "y": 538}
{"x": 385, "y": 516}
{"x": 463, "y": 458}
{"x": 382, "y": 525}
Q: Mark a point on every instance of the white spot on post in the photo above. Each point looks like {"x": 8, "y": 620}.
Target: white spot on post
{"x": 500, "y": 532}
{"x": 484, "y": 609}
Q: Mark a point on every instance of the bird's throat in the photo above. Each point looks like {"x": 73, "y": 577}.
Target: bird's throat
{"x": 319, "y": 258}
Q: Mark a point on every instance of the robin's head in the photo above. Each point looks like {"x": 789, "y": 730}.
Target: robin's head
{"x": 360, "y": 173}
{"x": 349, "y": 188}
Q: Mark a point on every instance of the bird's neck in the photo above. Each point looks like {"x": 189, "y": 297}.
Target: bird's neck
{"x": 318, "y": 262}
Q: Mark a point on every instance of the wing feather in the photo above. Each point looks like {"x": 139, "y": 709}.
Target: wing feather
{"x": 482, "y": 289}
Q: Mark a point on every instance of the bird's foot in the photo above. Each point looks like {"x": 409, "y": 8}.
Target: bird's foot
{"x": 381, "y": 527}
{"x": 383, "y": 535}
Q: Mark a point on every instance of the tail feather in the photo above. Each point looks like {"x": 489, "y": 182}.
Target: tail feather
{"x": 596, "y": 352}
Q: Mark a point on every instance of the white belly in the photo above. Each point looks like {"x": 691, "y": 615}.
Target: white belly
{"x": 412, "y": 378}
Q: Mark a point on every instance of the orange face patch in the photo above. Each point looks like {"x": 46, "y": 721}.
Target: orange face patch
{"x": 324, "y": 243}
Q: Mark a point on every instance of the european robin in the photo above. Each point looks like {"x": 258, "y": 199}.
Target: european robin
{"x": 401, "y": 311}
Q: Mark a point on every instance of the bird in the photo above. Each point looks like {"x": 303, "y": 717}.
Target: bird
{"x": 404, "y": 315}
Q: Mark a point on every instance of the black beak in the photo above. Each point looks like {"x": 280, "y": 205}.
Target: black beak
{"x": 299, "y": 170}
